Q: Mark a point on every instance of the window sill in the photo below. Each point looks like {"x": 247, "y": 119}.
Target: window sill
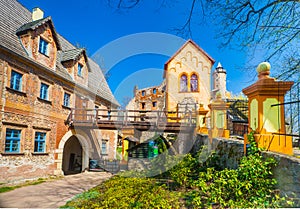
{"x": 80, "y": 76}
{"x": 46, "y": 55}
{"x": 12, "y": 153}
{"x": 40, "y": 153}
{"x": 16, "y": 92}
{"x": 45, "y": 101}
{"x": 66, "y": 107}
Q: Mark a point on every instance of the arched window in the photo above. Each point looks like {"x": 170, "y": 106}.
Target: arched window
{"x": 183, "y": 83}
{"x": 194, "y": 83}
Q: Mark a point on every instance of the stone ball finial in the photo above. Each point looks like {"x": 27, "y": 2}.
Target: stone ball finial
{"x": 263, "y": 70}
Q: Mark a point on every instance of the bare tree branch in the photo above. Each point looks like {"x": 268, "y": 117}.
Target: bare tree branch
{"x": 187, "y": 25}
{"x": 273, "y": 24}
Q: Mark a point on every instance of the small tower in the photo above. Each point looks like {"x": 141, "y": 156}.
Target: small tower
{"x": 219, "y": 82}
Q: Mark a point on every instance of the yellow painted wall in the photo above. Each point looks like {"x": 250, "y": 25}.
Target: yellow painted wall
{"x": 271, "y": 115}
{"x": 220, "y": 119}
{"x": 125, "y": 148}
{"x": 254, "y": 114}
{"x": 188, "y": 61}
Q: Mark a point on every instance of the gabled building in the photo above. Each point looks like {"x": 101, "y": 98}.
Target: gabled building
{"x": 187, "y": 74}
{"x": 186, "y": 85}
{"x": 42, "y": 77}
{"x": 189, "y": 86}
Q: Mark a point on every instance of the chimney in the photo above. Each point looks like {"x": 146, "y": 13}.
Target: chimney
{"x": 37, "y": 14}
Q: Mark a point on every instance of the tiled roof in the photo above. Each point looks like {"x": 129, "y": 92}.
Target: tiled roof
{"x": 72, "y": 54}
{"x": 98, "y": 84}
{"x": 14, "y": 17}
{"x": 65, "y": 44}
{"x": 32, "y": 25}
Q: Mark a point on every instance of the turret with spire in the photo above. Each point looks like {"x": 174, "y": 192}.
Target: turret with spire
{"x": 219, "y": 82}
{"x": 220, "y": 68}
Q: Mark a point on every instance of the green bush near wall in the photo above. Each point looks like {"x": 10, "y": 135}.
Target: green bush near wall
{"x": 194, "y": 184}
{"x": 123, "y": 193}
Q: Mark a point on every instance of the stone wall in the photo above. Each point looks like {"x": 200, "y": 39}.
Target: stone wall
{"x": 29, "y": 166}
{"x": 287, "y": 173}
{"x": 231, "y": 151}
{"x": 138, "y": 164}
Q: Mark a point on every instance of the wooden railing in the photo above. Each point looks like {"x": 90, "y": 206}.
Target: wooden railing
{"x": 127, "y": 118}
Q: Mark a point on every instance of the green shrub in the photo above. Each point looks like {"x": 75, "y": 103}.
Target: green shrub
{"x": 251, "y": 185}
{"x": 7, "y": 189}
{"x": 202, "y": 183}
{"x": 121, "y": 192}
{"x": 185, "y": 171}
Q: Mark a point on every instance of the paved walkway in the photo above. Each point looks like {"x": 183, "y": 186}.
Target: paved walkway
{"x": 51, "y": 194}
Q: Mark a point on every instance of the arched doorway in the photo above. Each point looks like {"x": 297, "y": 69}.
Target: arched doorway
{"x": 85, "y": 153}
{"x": 72, "y": 156}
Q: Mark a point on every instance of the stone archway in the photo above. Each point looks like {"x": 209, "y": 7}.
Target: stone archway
{"x": 85, "y": 150}
{"x": 72, "y": 156}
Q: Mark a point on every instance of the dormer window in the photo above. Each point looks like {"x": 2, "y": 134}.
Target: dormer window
{"x": 43, "y": 46}
{"x": 40, "y": 40}
{"x": 79, "y": 70}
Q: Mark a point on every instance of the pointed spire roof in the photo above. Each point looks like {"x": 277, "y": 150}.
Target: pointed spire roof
{"x": 220, "y": 69}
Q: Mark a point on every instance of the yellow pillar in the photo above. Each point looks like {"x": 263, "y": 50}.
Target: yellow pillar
{"x": 125, "y": 144}
{"x": 201, "y": 120}
{"x": 218, "y": 118}
{"x": 266, "y": 117}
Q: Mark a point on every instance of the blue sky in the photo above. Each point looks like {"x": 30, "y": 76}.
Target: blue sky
{"x": 93, "y": 24}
